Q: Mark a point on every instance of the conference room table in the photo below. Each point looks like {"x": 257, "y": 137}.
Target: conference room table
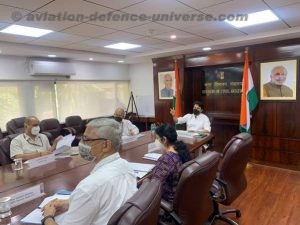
{"x": 66, "y": 172}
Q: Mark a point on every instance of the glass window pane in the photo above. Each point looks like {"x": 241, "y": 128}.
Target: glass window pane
{"x": 90, "y": 98}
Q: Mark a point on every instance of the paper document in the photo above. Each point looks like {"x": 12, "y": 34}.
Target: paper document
{"x": 152, "y": 156}
{"x": 36, "y": 215}
{"x": 50, "y": 198}
{"x": 66, "y": 141}
{"x": 140, "y": 174}
{"x": 127, "y": 139}
{"x": 185, "y": 133}
{"x": 143, "y": 167}
{"x": 40, "y": 161}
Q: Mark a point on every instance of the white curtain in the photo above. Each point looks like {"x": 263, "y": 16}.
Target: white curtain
{"x": 45, "y": 99}
{"x": 90, "y": 98}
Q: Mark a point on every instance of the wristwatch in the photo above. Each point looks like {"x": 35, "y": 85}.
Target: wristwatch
{"x": 45, "y": 218}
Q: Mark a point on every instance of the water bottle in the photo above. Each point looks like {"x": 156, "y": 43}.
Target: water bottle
{"x": 152, "y": 128}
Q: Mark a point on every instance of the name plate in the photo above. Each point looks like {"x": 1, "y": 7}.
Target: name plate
{"x": 40, "y": 161}
{"x": 27, "y": 195}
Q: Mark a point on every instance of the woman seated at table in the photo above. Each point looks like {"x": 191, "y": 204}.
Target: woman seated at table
{"x": 175, "y": 153}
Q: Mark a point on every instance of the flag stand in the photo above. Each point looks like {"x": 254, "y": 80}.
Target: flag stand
{"x": 132, "y": 102}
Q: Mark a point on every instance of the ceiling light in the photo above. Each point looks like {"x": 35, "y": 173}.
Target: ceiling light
{"x": 91, "y": 59}
{"x": 25, "y": 31}
{"x": 51, "y": 56}
{"x": 120, "y": 61}
{"x": 122, "y": 46}
{"x": 173, "y": 36}
{"x": 206, "y": 49}
{"x": 254, "y": 19}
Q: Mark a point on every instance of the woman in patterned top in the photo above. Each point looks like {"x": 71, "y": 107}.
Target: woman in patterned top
{"x": 168, "y": 165}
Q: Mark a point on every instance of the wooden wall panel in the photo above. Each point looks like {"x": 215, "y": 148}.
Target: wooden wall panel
{"x": 162, "y": 107}
{"x": 275, "y": 124}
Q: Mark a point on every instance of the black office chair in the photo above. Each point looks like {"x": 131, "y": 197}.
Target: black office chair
{"x": 51, "y": 126}
{"x": 231, "y": 180}
{"x": 192, "y": 204}
{"x": 5, "y": 149}
{"x": 1, "y": 134}
{"x": 142, "y": 208}
{"x": 15, "y": 126}
{"x": 76, "y": 123}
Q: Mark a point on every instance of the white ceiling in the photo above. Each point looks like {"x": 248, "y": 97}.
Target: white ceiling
{"x": 87, "y": 36}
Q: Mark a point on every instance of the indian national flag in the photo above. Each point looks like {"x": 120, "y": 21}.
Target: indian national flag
{"x": 249, "y": 98}
{"x": 176, "y": 99}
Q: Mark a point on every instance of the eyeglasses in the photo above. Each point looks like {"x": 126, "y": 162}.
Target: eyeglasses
{"x": 84, "y": 139}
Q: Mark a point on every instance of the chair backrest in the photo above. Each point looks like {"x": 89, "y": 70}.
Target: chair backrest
{"x": 5, "y": 149}
{"x": 192, "y": 202}
{"x": 75, "y": 122}
{"x": 231, "y": 170}
{"x": 15, "y": 126}
{"x": 52, "y": 126}
{"x": 142, "y": 208}
{"x": 1, "y": 134}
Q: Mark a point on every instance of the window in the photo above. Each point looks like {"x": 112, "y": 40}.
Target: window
{"x": 45, "y": 100}
{"x": 9, "y": 102}
{"x": 90, "y": 98}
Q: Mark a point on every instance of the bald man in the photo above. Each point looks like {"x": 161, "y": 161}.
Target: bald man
{"x": 128, "y": 129}
{"x": 31, "y": 144}
{"x": 276, "y": 88}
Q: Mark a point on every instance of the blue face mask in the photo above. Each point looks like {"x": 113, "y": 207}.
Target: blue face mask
{"x": 85, "y": 152}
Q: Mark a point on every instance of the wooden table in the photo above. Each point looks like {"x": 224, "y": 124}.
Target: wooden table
{"x": 66, "y": 173}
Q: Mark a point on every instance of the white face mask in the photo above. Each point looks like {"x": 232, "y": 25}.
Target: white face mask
{"x": 35, "y": 130}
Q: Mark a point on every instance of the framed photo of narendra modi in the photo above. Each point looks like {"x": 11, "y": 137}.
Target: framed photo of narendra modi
{"x": 278, "y": 80}
{"x": 166, "y": 84}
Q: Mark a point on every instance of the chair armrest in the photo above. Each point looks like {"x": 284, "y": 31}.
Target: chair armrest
{"x": 221, "y": 182}
{"x": 168, "y": 208}
{"x": 68, "y": 130}
{"x": 218, "y": 190}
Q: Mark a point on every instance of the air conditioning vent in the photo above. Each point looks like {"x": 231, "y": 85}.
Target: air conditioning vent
{"x": 41, "y": 67}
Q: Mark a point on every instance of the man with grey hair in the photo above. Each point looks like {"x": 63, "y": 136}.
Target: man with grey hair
{"x": 109, "y": 185}
{"x": 128, "y": 129}
{"x": 276, "y": 88}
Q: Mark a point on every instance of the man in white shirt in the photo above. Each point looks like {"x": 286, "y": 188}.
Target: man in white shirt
{"x": 31, "y": 143}
{"x": 128, "y": 129}
{"x": 196, "y": 122}
{"x": 97, "y": 197}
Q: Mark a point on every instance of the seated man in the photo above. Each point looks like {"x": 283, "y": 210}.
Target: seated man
{"x": 128, "y": 129}
{"x": 32, "y": 143}
{"x": 111, "y": 183}
{"x": 196, "y": 122}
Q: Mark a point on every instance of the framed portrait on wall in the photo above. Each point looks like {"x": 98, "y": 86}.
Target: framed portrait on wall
{"x": 166, "y": 84}
{"x": 278, "y": 80}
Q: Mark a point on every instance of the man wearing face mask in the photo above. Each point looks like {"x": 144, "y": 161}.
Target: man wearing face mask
{"x": 196, "y": 122}
{"x": 128, "y": 129}
{"x": 109, "y": 185}
{"x": 31, "y": 144}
